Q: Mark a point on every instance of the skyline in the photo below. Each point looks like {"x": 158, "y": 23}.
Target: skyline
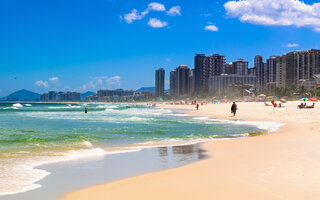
{"x": 117, "y": 44}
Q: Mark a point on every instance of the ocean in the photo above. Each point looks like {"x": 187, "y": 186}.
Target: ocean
{"x": 41, "y": 133}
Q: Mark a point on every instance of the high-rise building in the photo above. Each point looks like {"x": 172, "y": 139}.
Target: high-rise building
{"x": 294, "y": 67}
{"x": 69, "y": 96}
{"x": 200, "y": 67}
{"x": 271, "y": 69}
{"x": 44, "y": 97}
{"x": 159, "y": 82}
{"x": 52, "y": 95}
{"x": 173, "y": 82}
{"x": 191, "y": 81}
{"x": 240, "y": 67}
{"x": 182, "y": 81}
{"x": 179, "y": 81}
{"x": 206, "y": 66}
{"x": 260, "y": 72}
{"x": 228, "y": 68}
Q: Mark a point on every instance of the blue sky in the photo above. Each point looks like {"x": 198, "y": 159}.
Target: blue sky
{"x": 106, "y": 44}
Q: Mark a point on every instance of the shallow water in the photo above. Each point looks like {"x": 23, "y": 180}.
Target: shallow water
{"x": 36, "y": 134}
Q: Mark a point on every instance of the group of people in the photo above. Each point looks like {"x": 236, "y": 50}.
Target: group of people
{"x": 304, "y": 105}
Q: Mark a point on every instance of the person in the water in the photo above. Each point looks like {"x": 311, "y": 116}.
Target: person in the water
{"x": 85, "y": 110}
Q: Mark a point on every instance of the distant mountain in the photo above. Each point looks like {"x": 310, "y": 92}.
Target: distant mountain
{"x": 86, "y": 94}
{"x": 22, "y": 95}
{"x": 151, "y": 89}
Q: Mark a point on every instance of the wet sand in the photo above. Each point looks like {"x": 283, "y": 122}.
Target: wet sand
{"x": 77, "y": 174}
{"x": 281, "y": 165}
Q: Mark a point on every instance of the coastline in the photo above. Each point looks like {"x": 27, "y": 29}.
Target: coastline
{"x": 281, "y": 165}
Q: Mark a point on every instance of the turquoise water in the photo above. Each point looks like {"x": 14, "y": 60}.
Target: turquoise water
{"x": 34, "y": 134}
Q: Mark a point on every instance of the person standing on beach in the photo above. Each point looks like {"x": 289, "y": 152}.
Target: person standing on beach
{"x": 234, "y": 108}
{"x": 197, "y": 106}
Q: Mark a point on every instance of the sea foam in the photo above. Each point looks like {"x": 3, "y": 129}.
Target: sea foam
{"x": 20, "y": 174}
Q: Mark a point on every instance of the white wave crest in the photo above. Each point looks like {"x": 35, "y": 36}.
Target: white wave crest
{"x": 20, "y": 174}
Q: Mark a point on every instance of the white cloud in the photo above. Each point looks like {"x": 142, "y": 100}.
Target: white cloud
{"x": 211, "y": 28}
{"x": 114, "y": 82}
{"x": 41, "y": 83}
{"x": 168, "y": 59}
{"x": 156, "y": 6}
{"x": 135, "y": 15}
{"x": 291, "y": 45}
{"x": 54, "y": 78}
{"x": 276, "y": 12}
{"x": 175, "y": 10}
{"x": 156, "y": 23}
{"x": 102, "y": 82}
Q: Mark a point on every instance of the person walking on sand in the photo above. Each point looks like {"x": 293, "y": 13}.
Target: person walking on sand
{"x": 197, "y": 106}
{"x": 234, "y": 108}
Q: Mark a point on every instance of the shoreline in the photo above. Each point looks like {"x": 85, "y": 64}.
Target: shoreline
{"x": 260, "y": 167}
{"x": 38, "y": 168}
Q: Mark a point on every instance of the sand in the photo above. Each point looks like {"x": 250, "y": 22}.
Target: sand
{"x": 281, "y": 165}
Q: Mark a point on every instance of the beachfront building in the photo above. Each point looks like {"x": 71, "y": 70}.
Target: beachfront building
{"x": 191, "y": 81}
{"x": 179, "y": 81}
{"x": 271, "y": 69}
{"x": 228, "y": 68}
{"x": 44, "y": 97}
{"x": 172, "y": 89}
{"x": 111, "y": 95}
{"x": 220, "y": 84}
{"x": 69, "y": 97}
{"x": 252, "y": 71}
{"x": 159, "y": 82}
{"x": 261, "y": 72}
{"x": 240, "y": 67}
{"x": 297, "y": 65}
{"x": 52, "y": 96}
{"x": 206, "y": 66}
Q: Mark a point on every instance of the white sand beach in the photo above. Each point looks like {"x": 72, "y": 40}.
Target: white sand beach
{"x": 282, "y": 165}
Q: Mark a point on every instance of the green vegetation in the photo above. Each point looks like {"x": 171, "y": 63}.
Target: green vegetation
{"x": 257, "y": 133}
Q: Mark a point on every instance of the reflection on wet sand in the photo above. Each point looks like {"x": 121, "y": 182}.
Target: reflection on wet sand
{"x": 181, "y": 154}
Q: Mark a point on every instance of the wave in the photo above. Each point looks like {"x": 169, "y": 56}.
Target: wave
{"x": 20, "y": 174}
{"x": 27, "y": 105}
{"x": 268, "y": 126}
{"x": 17, "y": 105}
{"x": 63, "y": 107}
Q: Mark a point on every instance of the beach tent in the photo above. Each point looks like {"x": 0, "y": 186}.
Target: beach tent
{"x": 304, "y": 98}
{"x": 312, "y": 99}
{"x": 283, "y": 100}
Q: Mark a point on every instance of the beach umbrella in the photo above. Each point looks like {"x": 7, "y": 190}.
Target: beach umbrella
{"x": 283, "y": 100}
{"x": 304, "y": 98}
{"x": 262, "y": 95}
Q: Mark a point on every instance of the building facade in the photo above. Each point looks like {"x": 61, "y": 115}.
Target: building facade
{"x": 295, "y": 66}
{"x": 52, "y": 96}
{"x": 206, "y": 66}
{"x": 179, "y": 81}
{"x": 240, "y": 67}
{"x": 219, "y": 84}
{"x": 159, "y": 82}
